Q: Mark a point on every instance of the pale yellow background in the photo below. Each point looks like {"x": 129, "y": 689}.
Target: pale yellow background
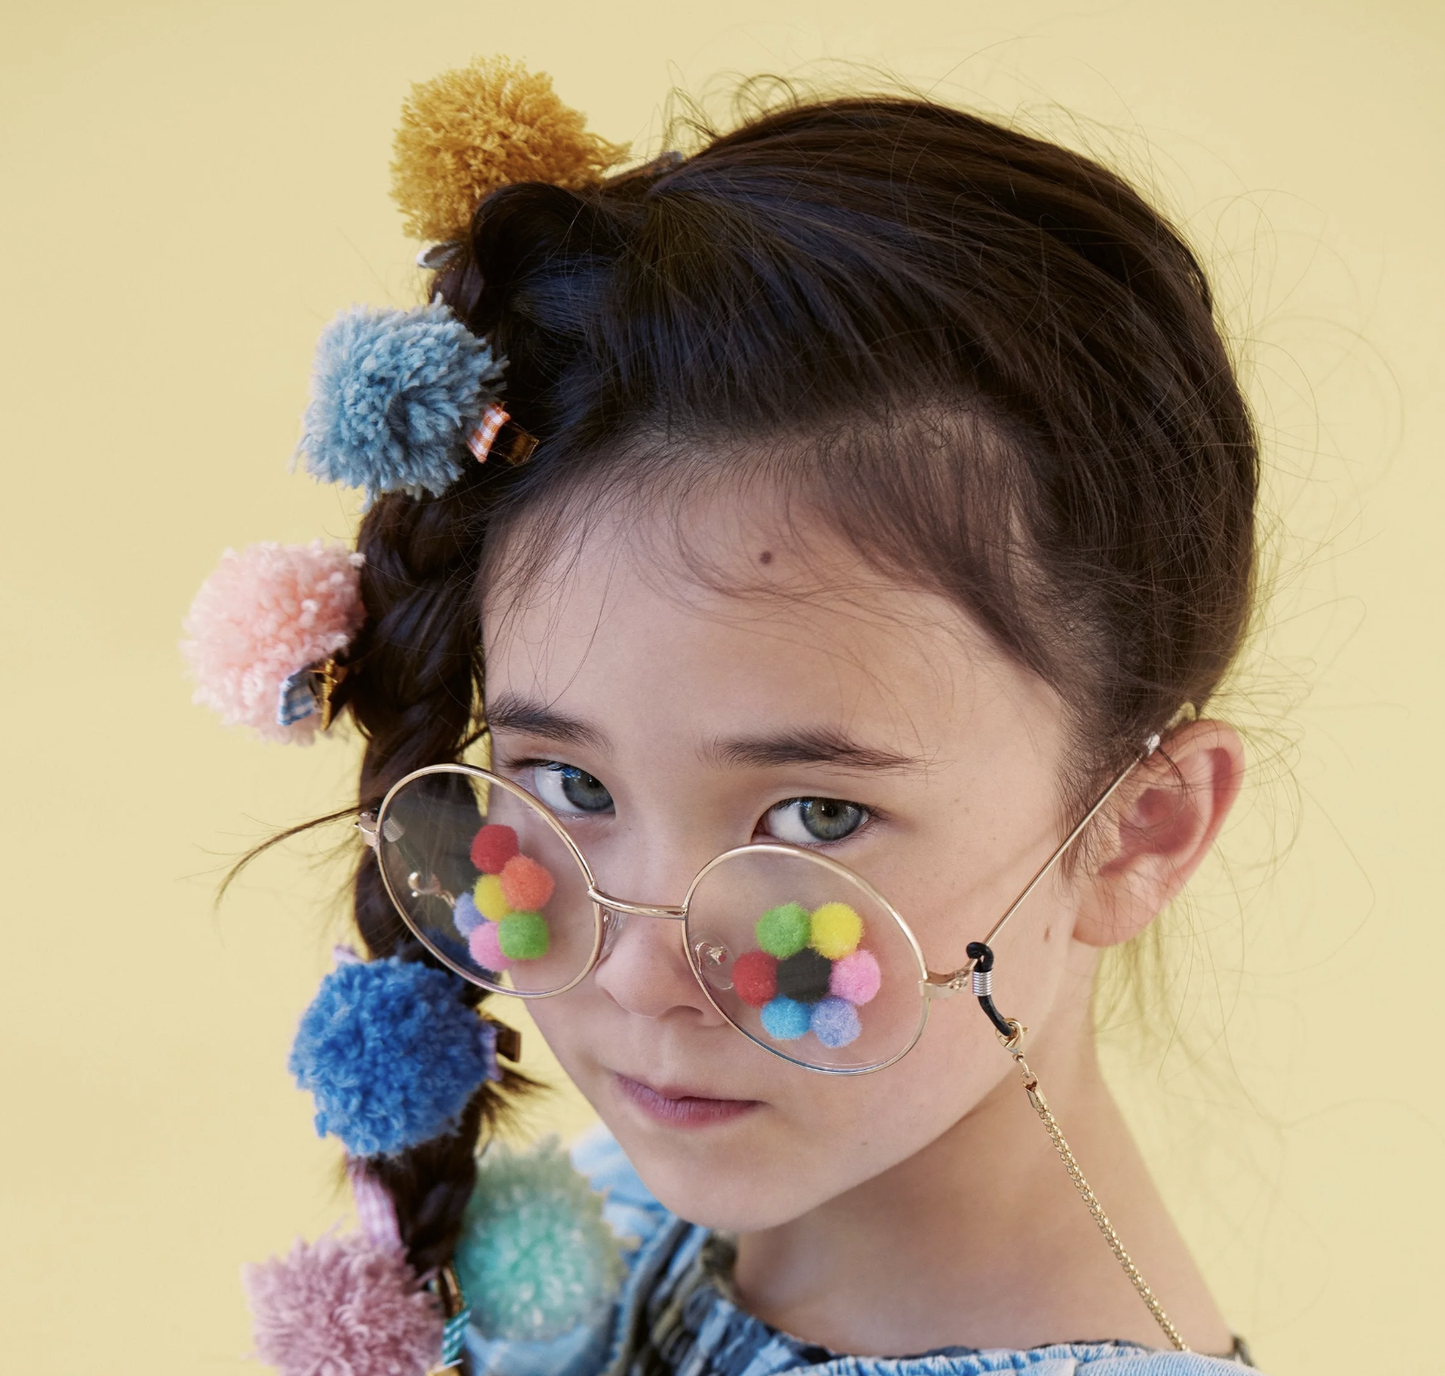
{"x": 190, "y": 190}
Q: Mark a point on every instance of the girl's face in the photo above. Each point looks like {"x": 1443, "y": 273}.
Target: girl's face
{"x": 813, "y": 703}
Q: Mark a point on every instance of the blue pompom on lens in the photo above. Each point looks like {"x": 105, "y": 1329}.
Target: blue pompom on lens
{"x": 391, "y": 1054}
{"x": 392, "y": 396}
{"x": 785, "y": 1019}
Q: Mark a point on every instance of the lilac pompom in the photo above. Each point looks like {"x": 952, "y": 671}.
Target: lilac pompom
{"x": 341, "y": 1307}
{"x": 265, "y": 613}
{"x": 465, "y": 917}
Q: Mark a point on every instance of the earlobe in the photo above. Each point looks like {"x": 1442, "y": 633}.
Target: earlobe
{"x": 1170, "y": 815}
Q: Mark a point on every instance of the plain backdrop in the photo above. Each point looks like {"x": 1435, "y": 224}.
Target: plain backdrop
{"x": 191, "y": 190}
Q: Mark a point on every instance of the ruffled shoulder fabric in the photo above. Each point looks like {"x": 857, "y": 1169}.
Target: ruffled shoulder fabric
{"x": 670, "y": 1271}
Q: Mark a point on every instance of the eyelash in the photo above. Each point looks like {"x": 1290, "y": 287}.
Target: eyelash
{"x": 871, "y": 815}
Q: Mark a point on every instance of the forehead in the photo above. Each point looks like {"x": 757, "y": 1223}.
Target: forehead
{"x": 708, "y": 615}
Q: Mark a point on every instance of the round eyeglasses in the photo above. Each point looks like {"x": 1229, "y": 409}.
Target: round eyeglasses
{"x": 800, "y": 954}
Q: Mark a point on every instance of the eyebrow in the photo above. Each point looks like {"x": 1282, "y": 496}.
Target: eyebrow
{"x": 508, "y": 712}
{"x": 812, "y": 746}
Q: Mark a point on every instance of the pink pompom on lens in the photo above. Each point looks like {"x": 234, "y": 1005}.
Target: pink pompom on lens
{"x": 856, "y": 978}
{"x": 485, "y": 947}
{"x": 268, "y": 611}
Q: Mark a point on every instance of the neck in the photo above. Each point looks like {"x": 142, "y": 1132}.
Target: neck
{"x": 980, "y": 1240}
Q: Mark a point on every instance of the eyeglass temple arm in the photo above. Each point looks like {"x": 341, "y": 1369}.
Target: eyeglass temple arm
{"x": 980, "y": 953}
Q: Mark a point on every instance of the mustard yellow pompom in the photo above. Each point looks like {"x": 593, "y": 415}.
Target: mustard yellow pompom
{"x": 490, "y": 900}
{"x": 837, "y": 929}
{"x": 468, "y": 131}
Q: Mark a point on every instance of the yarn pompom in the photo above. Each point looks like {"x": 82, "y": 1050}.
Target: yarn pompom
{"x": 266, "y": 612}
{"x": 392, "y": 395}
{"x": 492, "y": 847}
{"x": 470, "y": 130}
{"x": 527, "y": 883}
{"x": 391, "y": 1054}
{"x": 535, "y": 1258}
{"x": 341, "y": 1307}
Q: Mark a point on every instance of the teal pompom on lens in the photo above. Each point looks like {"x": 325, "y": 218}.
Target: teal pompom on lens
{"x": 535, "y": 1259}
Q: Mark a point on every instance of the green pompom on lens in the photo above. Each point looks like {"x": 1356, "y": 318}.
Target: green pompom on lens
{"x": 536, "y": 1259}
{"x": 783, "y": 931}
{"x": 523, "y": 936}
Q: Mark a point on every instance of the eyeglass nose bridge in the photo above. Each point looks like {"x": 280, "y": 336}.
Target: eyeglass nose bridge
{"x": 621, "y": 905}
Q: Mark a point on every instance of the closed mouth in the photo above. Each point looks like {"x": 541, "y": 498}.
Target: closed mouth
{"x": 681, "y": 1106}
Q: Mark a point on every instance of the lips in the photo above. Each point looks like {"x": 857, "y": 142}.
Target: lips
{"x": 681, "y": 1106}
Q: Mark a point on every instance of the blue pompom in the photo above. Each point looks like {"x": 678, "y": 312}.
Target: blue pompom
{"x": 784, "y": 1019}
{"x": 392, "y": 396}
{"x": 391, "y": 1054}
{"x": 535, "y": 1258}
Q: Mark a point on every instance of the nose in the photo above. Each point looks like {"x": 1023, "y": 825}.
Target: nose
{"x": 644, "y": 967}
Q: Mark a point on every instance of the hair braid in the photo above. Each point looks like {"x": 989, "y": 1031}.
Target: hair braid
{"x": 415, "y": 692}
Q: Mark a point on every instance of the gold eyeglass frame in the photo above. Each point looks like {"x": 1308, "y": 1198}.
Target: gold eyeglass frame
{"x": 605, "y": 907}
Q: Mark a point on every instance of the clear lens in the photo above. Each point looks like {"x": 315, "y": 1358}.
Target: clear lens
{"x": 488, "y": 881}
{"x": 805, "y": 959}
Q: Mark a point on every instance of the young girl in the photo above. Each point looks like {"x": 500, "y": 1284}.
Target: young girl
{"x": 867, "y": 499}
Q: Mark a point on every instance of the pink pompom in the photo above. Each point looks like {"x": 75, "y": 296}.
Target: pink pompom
{"x": 486, "y": 946}
{"x": 341, "y": 1307}
{"x": 856, "y": 977}
{"x": 265, "y": 613}
{"x": 527, "y": 884}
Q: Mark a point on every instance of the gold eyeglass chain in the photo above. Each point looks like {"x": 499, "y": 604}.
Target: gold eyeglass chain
{"x": 1014, "y": 1046}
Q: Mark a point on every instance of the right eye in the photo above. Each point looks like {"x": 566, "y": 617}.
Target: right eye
{"x": 570, "y": 791}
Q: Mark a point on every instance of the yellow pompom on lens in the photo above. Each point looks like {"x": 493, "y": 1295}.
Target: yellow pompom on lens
{"x": 468, "y": 131}
{"x": 836, "y": 930}
{"x": 490, "y": 900}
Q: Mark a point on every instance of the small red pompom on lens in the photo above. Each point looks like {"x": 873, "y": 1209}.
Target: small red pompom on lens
{"x": 526, "y": 884}
{"x": 492, "y": 847}
{"x": 755, "y": 978}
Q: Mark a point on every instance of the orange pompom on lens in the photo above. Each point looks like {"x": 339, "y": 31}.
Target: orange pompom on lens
{"x": 492, "y": 847}
{"x": 527, "y": 884}
{"x": 755, "y": 978}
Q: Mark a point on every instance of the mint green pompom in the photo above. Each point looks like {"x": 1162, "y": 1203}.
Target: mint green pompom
{"x": 783, "y": 931}
{"x": 536, "y": 1258}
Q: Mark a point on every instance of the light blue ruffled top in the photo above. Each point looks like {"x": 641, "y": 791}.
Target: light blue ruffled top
{"x": 706, "y": 1334}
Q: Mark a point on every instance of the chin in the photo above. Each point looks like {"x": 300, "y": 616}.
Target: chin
{"x": 735, "y": 1191}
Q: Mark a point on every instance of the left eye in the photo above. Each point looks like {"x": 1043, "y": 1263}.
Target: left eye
{"x": 806, "y": 821}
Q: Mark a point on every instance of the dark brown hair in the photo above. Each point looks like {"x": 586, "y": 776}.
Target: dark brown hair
{"x": 983, "y": 359}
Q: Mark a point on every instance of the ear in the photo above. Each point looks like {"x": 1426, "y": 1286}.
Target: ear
{"x": 1172, "y": 808}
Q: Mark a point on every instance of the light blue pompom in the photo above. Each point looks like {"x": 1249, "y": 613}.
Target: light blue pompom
{"x": 785, "y": 1019}
{"x": 391, "y": 1054}
{"x": 535, "y": 1259}
{"x": 392, "y": 396}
